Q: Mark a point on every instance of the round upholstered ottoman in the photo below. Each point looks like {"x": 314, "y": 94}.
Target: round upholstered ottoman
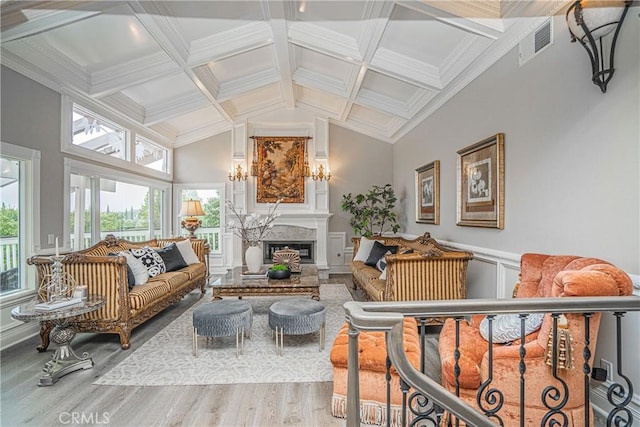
{"x": 296, "y": 316}
{"x": 222, "y": 319}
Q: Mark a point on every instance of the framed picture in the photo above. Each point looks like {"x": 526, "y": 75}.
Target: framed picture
{"x": 428, "y": 193}
{"x": 280, "y": 169}
{"x": 481, "y": 184}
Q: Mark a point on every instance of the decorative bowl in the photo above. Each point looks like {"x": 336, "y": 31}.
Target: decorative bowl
{"x": 279, "y": 274}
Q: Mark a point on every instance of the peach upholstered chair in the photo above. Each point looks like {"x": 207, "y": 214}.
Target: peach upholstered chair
{"x": 540, "y": 276}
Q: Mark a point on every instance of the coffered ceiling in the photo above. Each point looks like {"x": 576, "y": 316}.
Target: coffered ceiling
{"x": 191, "y": 69}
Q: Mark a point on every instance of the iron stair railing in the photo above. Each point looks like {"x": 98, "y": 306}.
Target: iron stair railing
{"x": 388, "y": 316}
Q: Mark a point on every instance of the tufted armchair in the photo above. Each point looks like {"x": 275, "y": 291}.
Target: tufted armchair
{"x": 540, "y": 276}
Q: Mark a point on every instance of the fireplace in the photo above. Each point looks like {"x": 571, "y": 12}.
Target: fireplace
{"x": 306, "y": 249}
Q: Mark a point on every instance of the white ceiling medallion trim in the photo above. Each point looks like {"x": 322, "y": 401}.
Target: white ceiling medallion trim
{"x": 324, "y": 40}
{"x": 408, "y": 69}
{"x": 131, "y": 73}
{"x": 175, "y": 107}
{"x": 126, "y": 106}
{"x": 248, "y": 83}
{"x": 228, "y": 43}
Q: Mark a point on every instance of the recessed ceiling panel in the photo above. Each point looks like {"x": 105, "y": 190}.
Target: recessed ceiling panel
{"x": 161, "y": 89}
{"x": 344, "y": 17}
{"x": 322, "y": 64}
{"x": 255, "y": 100}
{"x": 196, "y": 21}
{"x": 244, "y": 64}
{"x": 420, "y": 37}
{"x": 106, "y": 39}
{"x": 372, "y": 118}
{"x": 389, "y": 86}
{"x": 320, "y": 100}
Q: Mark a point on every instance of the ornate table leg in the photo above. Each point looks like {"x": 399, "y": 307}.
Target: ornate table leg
{"x": 65, "y": 360}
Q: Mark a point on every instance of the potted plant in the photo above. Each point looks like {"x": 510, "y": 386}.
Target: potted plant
{"x": 372, "y": 212}
{"x": 279, "y": 271}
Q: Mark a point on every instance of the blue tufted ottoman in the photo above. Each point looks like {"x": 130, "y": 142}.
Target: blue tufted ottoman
{"x": 296, "y": 316}
{"x": 222, "y": 319}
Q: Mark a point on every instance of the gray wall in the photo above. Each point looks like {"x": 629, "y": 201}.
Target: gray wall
{"x": 571, "y": 153}
{"x": 357, "y": 163}
{"x": 203, "y": 161}
{"x": 30, "y": 118}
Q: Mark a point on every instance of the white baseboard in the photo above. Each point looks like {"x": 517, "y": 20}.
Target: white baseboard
{"x": 14, "y": 335}
{"x": 602, "y": 406}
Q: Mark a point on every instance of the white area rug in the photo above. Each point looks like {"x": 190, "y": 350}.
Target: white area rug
{"x": 167, "y": 359}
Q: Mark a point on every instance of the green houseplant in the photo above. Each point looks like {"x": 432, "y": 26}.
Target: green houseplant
{"x": 372, "y": 212}
{"x": 279, "y": 271}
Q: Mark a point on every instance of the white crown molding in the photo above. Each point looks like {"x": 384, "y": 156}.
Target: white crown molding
{"x": 175, "y": 107}
{"x": 201, "y": 133}
{"x": 247, "y": 84}
{"x": 386, "y": 128}
{"x": 316, "y": 107}
{"x": 116, "y": 78}
{"x": 207, "y": 79}
{"x": 19, "y": 65}
{"x": 384, "y": 103}
{"x": 363, "y": 130}
{"x": 324, "y": 40}
{"x": 126, "y": 106}
{"x": 283, "y": 51}
{"x": 465, "y": 53}
{"x": 228, "y": 43}
{"x": 257, "y": 108}
{"x": 309, "y": 78}
{"x": 408, "y": 69}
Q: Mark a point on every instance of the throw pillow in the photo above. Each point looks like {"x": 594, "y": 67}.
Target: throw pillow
{"x": 506, "y": 327}
{"x": 364, "y": 249}
{"x": 172, "y": 258}
{"x": 150, "y": 259}
{"x": 131, "y": 278}
{"x": 378, "y": 251}
{"x": 138, "y": 270}
{"x": 382, "y": 266}
{"x": 186, "y": 250}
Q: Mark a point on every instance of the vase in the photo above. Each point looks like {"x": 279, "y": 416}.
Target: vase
{"x": 253, "y": 258}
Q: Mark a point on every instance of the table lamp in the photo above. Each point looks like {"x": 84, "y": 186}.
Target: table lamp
{"x": 191, "y": 208}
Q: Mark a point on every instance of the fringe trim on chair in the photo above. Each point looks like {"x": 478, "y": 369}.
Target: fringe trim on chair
{"x": 564, "y": 355}
{"x": 371, "y": 412}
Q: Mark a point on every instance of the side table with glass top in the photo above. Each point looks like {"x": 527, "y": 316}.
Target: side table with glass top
{"x": 65, "y": 360}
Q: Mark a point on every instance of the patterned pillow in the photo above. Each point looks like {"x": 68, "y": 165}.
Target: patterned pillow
{"x": 506, "y": 327}
{"x": 382, "y": 266}
{"x": 150, "y": 259}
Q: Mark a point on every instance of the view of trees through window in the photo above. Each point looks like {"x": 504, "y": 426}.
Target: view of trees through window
{"x": 9, "y": 225}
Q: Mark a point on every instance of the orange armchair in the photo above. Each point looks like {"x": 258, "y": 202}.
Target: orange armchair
{"x": 540, "y": 276}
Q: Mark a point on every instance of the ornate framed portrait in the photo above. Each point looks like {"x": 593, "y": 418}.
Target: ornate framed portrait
{"x": 481, "y": 183}
{"x": 280, "y": 172}
{"x": 428, "y": 193}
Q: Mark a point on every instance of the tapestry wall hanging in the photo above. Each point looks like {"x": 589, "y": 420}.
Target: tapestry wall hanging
{"x": 280, "y": 163}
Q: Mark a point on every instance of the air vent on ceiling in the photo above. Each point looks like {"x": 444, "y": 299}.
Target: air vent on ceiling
{"x": 537, "y": 41}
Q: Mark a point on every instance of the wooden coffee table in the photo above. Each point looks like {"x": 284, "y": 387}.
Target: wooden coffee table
{"x": 233, "y": 284}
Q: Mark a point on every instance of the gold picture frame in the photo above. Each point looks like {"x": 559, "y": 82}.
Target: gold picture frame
{"x": 428, "y": 193}
{"x": 481, "y": 184}
{"x": 280, "y": 169}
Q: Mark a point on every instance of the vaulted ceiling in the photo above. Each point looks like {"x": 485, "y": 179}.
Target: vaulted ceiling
{"x": 191, "y": 69}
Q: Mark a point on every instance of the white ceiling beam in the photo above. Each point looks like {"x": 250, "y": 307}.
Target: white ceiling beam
{"x": 160, "y": 30}
{"x": 278, "y": 13}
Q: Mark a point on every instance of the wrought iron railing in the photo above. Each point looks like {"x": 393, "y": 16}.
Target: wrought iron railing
{"x": 431, "y": 396}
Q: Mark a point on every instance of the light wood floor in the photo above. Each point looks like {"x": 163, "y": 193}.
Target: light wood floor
{"x": 23, "y": 403}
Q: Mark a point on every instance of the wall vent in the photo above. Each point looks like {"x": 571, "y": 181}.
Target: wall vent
{"x": 536, "y": 41}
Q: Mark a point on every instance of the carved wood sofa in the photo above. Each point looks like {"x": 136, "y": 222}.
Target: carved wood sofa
{"x": 429, "y": 272}
{"x": 106, "y": 276}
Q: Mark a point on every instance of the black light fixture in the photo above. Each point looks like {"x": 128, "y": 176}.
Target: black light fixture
{"x": 589, "y": 21}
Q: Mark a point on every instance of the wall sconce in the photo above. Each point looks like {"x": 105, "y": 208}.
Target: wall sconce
{"x": 588, "y": 24}
{"x": 321, "y": 175}
{"x": 191, "y": 208}
{"x": 239, "y": 175}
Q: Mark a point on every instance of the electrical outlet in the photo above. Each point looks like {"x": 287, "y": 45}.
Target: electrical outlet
{"x": 605, "y": 364}
{"x": 51, "y": 239}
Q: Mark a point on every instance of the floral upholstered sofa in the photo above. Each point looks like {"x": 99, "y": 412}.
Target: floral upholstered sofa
{"x": 135, "y": 288}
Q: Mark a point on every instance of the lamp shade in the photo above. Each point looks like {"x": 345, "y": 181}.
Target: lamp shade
{"x": 191, "y": 208}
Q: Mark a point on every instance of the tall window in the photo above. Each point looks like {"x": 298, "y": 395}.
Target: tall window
{"x": 210, "y": 197}
{"x": 19, "y": 220}
{"x": 101, "y": 204}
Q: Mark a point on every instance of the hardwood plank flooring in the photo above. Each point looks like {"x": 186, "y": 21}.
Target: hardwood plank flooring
{"x": 23, "y": 403}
